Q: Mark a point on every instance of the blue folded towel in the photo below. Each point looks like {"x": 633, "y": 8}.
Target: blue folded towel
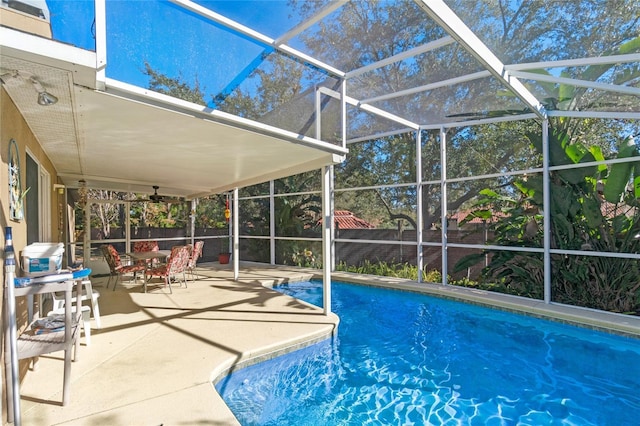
{"x": 81, "y": 273}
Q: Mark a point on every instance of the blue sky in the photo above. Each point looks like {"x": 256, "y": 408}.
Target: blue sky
{"x": 174, "y": 42}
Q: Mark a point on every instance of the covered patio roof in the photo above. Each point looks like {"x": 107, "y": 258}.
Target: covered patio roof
{"x": 113, "y": 132}
{"x": 121, "y": 137}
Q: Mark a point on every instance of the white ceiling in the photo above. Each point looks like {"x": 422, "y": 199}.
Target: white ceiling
{"x": 126, "y": 138}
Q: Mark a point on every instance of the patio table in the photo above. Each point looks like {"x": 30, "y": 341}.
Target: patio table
{"x": 148, "y": 255}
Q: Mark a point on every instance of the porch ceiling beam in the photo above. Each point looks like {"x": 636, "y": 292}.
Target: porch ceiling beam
{"x": 452, "y": 24}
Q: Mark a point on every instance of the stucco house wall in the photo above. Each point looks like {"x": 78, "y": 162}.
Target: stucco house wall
{"x": 13, "y": 126}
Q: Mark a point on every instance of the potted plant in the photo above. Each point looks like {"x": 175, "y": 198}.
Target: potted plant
{"x": 224, "y": 255}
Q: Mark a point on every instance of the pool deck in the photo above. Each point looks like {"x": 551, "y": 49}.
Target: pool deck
{"x": 156, "y": 355}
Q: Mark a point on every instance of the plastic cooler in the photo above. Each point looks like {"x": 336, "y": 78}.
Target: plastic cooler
{"x": 39, "y": 259}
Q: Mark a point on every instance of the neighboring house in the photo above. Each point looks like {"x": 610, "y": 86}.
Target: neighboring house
{"x": 344, "y": 219}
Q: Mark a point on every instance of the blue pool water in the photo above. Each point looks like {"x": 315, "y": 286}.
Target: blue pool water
{"x": 408, "y": 359}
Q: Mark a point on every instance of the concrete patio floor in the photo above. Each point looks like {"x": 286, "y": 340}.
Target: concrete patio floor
{"x": 156, "y": 354}
{"x": 155, "y": 358}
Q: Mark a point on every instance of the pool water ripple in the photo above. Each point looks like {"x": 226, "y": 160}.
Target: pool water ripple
{"x": 408, "y": 359}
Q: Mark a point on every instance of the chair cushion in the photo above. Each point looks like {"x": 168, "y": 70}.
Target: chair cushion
{"x": 124, "y": 269}
{"x": 160, "y": 271}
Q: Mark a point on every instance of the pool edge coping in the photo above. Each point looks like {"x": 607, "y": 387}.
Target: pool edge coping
{"x": 609, "y": 322}
{"x": 261, "y": 354}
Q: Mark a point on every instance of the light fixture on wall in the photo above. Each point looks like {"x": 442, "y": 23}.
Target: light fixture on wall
{"x": 44, "y": 98}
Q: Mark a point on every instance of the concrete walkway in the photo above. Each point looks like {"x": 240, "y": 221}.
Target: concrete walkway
{"x": 154, "y": 359}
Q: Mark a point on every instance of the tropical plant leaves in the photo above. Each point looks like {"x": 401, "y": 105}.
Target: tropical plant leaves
{"x": 620, "y": 174}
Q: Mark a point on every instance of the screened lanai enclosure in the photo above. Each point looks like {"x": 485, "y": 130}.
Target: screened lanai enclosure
{"x": 478, "y": 143}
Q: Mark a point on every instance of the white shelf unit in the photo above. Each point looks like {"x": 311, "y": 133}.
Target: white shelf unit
{"x": 31, "y": 345}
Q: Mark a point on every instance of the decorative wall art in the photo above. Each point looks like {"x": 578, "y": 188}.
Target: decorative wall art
{"x": 16, "y": 196}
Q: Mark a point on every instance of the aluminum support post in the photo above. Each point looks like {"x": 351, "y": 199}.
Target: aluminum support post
{"x": 546, "y": 212}
{"x": 326, "y": 239}
{"x": 419, "y": 219}
{"x": 443, "y": 201}
{"x": 235, "y": 254}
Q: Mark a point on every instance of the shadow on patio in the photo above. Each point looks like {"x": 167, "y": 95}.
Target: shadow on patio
{"x": 156, "y": 355}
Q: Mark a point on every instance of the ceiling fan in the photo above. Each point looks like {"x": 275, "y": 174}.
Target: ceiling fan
{"x": 157, "y": 198}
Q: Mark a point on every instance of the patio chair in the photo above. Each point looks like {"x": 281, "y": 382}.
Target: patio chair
{"x": 196, "y": 253}
{"x": 176, "y": 264}
{"x": 116, "y": 267}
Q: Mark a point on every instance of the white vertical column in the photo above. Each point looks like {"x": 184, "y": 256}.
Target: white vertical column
{"x": 11, "y": 333}
{"x": 236, "y": 236}
{"x": 546, "y": 210}
{"x": 343, "y": 135}
{"x": 272, "y": 223}
{"x": 443, "y": 201}
{"x": 318, "y": 107}
{"x": 86, "y": 238}
{"x": 343, "y": 112}
{"x": 331, "y": 260}
{"x": 192, "y": 216}
{"x": 332, "y": 191}
{"x": 326, "y": 239}
{"x": 101, "y": 42}
{"x": 127, "y": 229}
{"x": 420, "y": 227}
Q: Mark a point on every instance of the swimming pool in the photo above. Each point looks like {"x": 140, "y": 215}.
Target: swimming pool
{"x": 402, "y": 358}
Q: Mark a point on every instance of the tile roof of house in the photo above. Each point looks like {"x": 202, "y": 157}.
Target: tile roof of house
{"x": 346, "y": 220}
